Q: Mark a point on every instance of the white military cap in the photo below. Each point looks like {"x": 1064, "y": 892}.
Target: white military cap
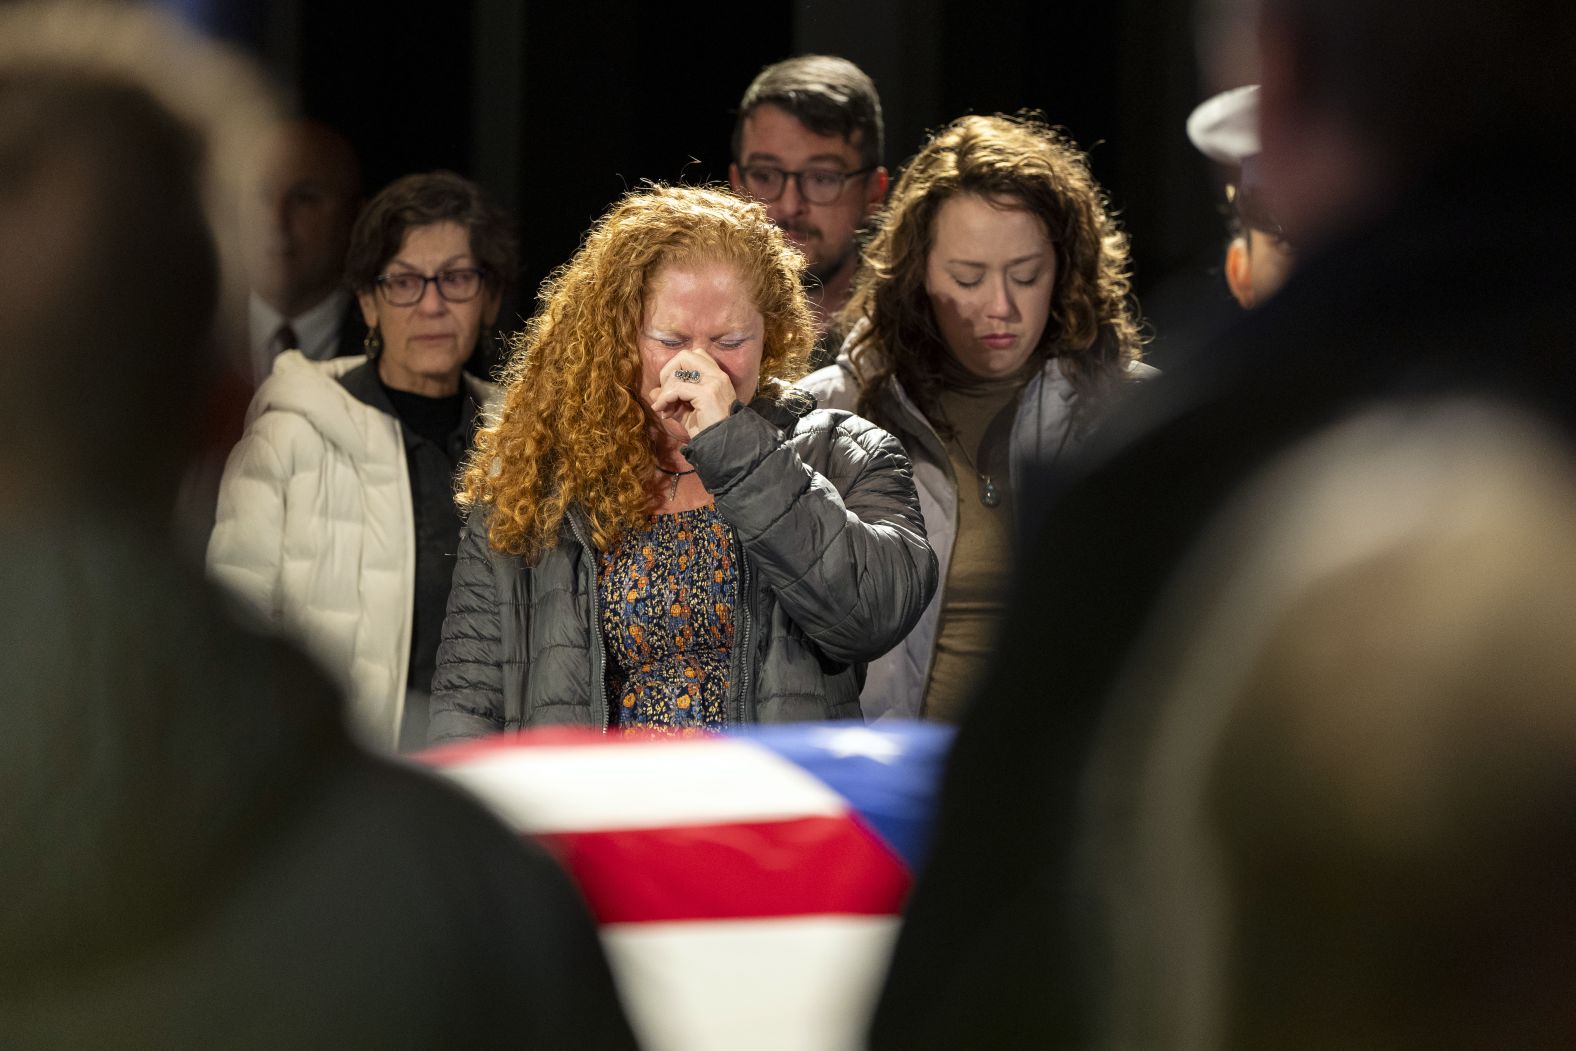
{"x": 1225, "y": 128}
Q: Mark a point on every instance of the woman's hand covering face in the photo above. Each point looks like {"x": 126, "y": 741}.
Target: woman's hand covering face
{"x": 701, "y": 342}
{"x": 694, "y": 393}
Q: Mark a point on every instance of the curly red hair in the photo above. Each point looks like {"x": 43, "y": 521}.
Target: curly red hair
{"x": 573, "y": 431}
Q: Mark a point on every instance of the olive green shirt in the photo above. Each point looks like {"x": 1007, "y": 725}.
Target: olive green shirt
{"x": 974, "y": 597}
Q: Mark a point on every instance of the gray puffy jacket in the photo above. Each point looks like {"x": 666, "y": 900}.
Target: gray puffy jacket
{"x": 836, "y": 571}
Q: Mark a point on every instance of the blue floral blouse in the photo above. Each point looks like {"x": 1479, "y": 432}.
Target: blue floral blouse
{"x": 667, "y": 595}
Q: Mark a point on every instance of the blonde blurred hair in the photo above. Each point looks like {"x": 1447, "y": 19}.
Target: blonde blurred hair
{"x": 211, "y": 89}
{"x": 124, "y": 138}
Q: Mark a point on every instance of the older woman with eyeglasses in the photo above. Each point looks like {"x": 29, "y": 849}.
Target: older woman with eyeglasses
{"x": 336, "y": 518}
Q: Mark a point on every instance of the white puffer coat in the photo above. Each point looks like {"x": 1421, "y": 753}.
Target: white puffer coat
{"x": 315, "y": 532}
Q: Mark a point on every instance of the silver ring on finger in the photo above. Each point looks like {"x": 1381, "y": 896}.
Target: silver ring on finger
{"x": 687, "y": 375}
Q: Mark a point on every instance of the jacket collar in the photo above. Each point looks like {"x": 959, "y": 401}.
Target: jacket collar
{"x": 362, "y": 382}
{"x": 786, "y": 411}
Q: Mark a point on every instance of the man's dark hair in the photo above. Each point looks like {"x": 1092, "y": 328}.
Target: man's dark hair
{"x": 421, "y": 200}
{"x": 827, "y": 94}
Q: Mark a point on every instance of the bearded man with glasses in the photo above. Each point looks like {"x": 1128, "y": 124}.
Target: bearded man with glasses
{"x": 336, "y": 516}
{"x": 807, "y": 144}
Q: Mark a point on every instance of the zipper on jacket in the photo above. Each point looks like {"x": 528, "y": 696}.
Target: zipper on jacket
{"x": 923, "y": 429}
{"x": 741, "y": 652}
{"x": 606, "y": 709}
{"x": 408, "y": 504}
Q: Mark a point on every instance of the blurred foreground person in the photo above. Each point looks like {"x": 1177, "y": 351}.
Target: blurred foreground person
{"x": 336, "y": 517}
{"x": 662, "y": 535}
{"x": 1422, "y": 166}
{"x": 991, "y": 328}
{"x": 1333, "y": 803}
{"x": 194, "y": 853}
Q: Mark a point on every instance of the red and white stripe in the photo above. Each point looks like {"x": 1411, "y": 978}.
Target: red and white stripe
{"x": 742, "y": 902}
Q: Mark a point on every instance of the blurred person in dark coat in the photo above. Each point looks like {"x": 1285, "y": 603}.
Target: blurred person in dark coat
{"x": 1421, "y": 164}
{"x": 1331, "y": 801}
{"x": 194, "y": 853}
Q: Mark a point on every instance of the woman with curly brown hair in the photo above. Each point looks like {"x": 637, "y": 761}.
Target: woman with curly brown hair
{"x": 989, "y": 327}
{"x": 662, "y": 534}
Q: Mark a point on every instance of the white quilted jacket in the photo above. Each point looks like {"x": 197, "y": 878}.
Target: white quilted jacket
{"x": 315, "y": 532}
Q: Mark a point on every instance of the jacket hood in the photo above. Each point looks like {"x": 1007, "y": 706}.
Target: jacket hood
{"x": 312, "y": 389}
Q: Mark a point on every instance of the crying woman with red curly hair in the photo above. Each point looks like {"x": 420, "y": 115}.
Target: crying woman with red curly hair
{"x": 662, "y": 532}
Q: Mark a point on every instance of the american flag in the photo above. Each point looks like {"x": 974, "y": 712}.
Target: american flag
{"x": 747, "y": 885}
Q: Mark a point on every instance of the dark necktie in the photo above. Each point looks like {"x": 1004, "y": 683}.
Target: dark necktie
{"x": 288, "y": 340}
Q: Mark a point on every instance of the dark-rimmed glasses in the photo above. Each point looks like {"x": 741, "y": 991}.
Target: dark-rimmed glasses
{"x": 816, "y": 185}
{"x": 455, "y": 286}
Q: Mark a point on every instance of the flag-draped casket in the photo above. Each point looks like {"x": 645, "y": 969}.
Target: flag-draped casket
{"x": 747, "y": 885}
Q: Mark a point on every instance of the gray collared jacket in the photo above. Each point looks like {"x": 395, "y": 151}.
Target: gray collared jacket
{"x": 835, "y": 572}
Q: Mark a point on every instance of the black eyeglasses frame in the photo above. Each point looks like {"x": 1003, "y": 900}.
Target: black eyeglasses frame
{"x": 798, "y": 180}
{"x": 384, "y": 281}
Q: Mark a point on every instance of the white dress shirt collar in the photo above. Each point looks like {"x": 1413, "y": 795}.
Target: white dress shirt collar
{"x": 317, "y": 331}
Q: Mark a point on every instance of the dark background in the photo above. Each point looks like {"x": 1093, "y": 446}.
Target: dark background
{"x": 558, "y": 107}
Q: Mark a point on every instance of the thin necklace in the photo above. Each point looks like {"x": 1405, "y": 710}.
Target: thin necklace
{"x": 990, "y": 496}
{"x": 673, "y": 493}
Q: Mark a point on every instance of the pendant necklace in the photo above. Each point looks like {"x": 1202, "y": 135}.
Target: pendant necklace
{"x": 673, "y": 492}
{"x": 990, "y": 496}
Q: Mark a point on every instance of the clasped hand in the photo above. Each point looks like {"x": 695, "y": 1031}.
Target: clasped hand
{"x": 692, "y": 403}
